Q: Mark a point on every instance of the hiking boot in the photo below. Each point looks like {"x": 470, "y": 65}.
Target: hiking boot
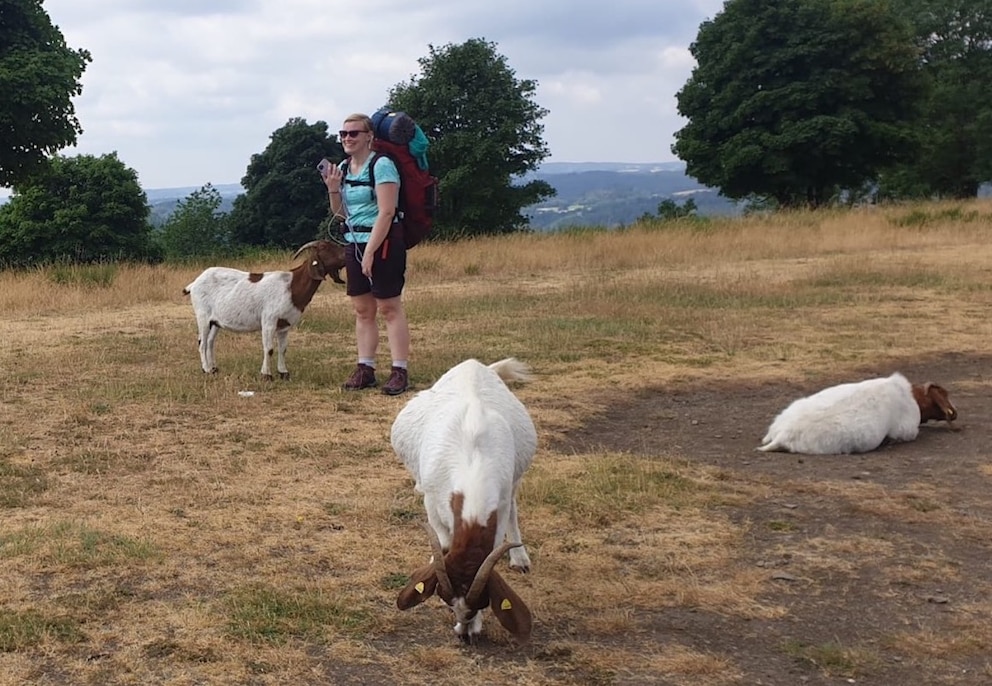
{"x": 362, "y": 377}
{"x": 398, "y": 382}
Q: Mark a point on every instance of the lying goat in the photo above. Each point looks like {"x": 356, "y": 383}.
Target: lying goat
{"x": 857, "y": 417}
{"x": 467, "y": 441}
{"x": 272, "y": 302}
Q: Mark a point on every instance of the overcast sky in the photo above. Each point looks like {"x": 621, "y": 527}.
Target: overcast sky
{"x": 187, "y": 90}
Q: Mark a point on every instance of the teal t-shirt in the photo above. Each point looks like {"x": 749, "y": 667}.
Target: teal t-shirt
{"x": 360, "y": 200}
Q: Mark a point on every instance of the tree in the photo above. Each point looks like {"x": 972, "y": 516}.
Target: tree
{"x": 39, "y": 75}
{"x": 955, "y": 42}
{"x": 485, "y": 134}
{"x": 671, "y": 211}
{"x": 81, "y": 209}
{"x": 285, "y": 200}
{"x": 196, "y": 228}
{"x": 794, "y": 100}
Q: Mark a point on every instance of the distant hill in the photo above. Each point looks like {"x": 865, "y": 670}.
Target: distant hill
{"x": 613, "y": 194}
{"x": 549, "y": 168}
{"x": 589, "y": 194}
{"x": 163, "y": 201}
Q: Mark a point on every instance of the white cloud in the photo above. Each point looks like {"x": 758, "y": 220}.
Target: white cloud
{"x": 186, "y": 91}
{"x": 577, "y": 89}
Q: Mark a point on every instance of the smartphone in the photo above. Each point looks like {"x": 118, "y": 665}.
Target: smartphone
{"x": 324, "y": 167}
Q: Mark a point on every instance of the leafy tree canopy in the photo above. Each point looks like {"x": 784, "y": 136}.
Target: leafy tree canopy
{"x": 955, "y": 42}
{"x": 285, "y": 200}
{"x": 80, "y": 209}
{"x": 485, "y": 133}
{"x": 39, "y": 75}
{"x": 793, "y": 100}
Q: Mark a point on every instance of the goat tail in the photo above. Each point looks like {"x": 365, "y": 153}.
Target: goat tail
{"x": 512, "y": 369}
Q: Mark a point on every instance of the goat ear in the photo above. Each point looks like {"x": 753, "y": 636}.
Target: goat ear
{"x": 509, "y": 608}
{"x": 422, "y": 584}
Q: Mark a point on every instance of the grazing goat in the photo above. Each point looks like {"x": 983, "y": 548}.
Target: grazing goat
{"x": 857, "y": 417}
{"x": 272, "y": 302}
{"x": 467, "y": 441}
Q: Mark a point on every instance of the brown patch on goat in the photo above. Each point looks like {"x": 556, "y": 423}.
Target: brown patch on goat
{"x": 330, "y": 256}
{"x": 302, "y": 287}
{"x": 323, "y": 259}
{"x": 470, "y": 545}
{"x": 255, "y": 277}
{"x": 934, "y": 403}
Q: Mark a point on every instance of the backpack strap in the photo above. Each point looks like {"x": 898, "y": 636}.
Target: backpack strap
{"x": 357, "y": 182}
{"x": 371, "y": 182}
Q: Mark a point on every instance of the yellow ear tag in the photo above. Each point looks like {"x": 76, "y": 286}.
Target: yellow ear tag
{"x": 505, "y": 605}
{"x": 420, "y": 587}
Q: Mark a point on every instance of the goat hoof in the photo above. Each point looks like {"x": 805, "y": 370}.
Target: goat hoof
{"x": 266, "y": 377}
{"x": 284, "y": 376}
{"x": 213, "y": 370}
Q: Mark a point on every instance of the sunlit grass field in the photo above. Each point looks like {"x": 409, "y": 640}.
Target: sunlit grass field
{"x": 158, "y": 527}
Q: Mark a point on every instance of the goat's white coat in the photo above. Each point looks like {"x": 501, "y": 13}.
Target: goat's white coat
{"x": 849, "y": 418}
{"x": 469, "y": 434}
{"x": 227, "y": 296}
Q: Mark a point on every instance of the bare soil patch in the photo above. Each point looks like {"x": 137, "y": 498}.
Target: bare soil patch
{"x": 881, "y": 559}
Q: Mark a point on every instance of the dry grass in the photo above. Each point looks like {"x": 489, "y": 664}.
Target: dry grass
{"x": 155, "y": 527}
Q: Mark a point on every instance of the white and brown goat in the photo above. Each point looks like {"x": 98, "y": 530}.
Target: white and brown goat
{"x": 858, "y": 417}
{"x": 273, "y": 302}
{"x": 467, "y": 441}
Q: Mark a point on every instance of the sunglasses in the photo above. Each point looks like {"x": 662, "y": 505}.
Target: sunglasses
{"x": 354, "y": 133}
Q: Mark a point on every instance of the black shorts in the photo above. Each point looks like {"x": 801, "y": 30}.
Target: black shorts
{"x": 388, "y": 269}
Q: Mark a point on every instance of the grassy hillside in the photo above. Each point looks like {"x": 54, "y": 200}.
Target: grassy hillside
{"x": 618, "y": 197}
{"x": 156, "y": 527}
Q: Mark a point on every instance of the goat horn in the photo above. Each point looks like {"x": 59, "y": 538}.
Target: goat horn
{"x": 311, "y": 244}
{"x": 482, "y": 576}
{"x": 439, "y": 569}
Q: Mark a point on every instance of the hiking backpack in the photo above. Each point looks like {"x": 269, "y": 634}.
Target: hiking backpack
{"x": 395, "y": 135}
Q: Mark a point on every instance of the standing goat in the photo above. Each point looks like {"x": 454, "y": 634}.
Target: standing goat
{"x": 467, "y": 441}
{"x": 272, "y": 302}
{"x": 858, "y": 417}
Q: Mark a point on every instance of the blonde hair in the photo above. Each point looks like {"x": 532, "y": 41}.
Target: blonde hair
{"x": 364, "y": 118}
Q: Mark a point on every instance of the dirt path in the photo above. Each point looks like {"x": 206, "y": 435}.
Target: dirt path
{"x": 881, "y": 560}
